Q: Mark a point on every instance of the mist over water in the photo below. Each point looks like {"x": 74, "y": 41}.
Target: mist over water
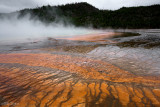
{"x": 14, "y": 28}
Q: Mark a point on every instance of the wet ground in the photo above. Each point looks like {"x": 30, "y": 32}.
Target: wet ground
{"x": 109, "y": 69}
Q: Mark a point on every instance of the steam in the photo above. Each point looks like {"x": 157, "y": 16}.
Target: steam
{"x": 13, "y": 28}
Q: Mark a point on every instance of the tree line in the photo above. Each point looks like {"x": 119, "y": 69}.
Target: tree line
{"x": 84, "y": 14}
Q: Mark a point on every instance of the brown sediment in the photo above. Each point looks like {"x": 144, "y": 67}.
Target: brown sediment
{"x": 73, "y": 49}
{"x": 62, "y": 80}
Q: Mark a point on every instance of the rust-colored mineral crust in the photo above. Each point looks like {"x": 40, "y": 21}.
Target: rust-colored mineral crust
{"x": 76, "y": 72}
{"x": 103, "y": 37}
{"x": 50, "y": 80}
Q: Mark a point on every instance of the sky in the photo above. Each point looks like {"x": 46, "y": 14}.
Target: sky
{"x": 7, "y": 6}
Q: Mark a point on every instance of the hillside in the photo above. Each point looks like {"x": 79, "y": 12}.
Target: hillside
{"x": 84, "y": 14}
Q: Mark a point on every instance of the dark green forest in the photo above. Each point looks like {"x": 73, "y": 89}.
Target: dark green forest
{"x": 86, "y": 15}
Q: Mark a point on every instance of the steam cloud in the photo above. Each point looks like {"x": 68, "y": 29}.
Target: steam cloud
{"x": 19, "y": 29}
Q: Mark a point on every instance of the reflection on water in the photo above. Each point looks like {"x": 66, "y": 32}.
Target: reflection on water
{"x": 59, "y": 72}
